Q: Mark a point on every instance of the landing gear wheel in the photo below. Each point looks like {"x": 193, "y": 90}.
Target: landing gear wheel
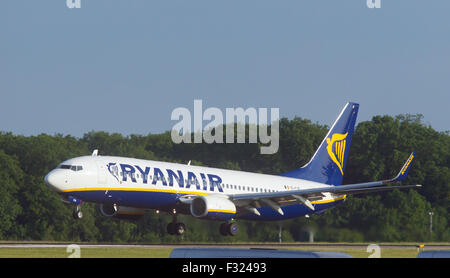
{"x": 171, "y": 228}
{"x": 180, "y": 228}
{"x": 176, "y": 228}
{"x": 233, "y": 229}
{"x": 77, "y": 214}
{"x": 230, "y": 229}
{"x": 224, "y": 229}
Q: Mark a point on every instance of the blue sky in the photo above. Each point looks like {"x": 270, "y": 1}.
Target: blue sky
{"x": 123, "y": 66}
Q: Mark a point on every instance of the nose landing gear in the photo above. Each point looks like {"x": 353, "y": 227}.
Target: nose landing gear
{"x": 77, "y": 213}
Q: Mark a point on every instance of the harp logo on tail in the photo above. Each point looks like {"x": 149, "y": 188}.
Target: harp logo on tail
{"x": 336, "y": 149}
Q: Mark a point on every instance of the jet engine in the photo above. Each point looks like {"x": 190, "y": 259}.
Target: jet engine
{"x": 213, "y": 207}
{"x": 109, "y": 209}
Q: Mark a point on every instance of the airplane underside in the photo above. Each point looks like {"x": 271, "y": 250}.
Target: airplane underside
{"x": 169, "y": 202}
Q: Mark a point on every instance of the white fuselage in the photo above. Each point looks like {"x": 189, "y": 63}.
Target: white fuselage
{"x": 158, "y": 185}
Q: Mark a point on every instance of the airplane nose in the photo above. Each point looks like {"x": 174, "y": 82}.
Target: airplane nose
{"x": 52, "y": 180}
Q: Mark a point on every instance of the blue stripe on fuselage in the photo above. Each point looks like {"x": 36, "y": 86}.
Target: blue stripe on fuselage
{"x": 132, "y": 198}
{"x": 160, "y": 200}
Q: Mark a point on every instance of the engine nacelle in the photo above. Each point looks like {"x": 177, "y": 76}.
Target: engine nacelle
{"x": 213, "y": 207}
{"x": 111, "y": 209}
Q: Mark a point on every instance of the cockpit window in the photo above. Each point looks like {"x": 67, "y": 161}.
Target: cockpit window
{"x": 71, "y": 167}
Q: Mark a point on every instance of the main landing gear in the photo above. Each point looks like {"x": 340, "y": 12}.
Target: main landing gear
{"x": 175, "y": 228}
{"x": 226, "y": 229}
{"x": 229, "y": 229}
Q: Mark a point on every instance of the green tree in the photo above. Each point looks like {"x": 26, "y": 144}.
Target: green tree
{"x": 11, "y": 176}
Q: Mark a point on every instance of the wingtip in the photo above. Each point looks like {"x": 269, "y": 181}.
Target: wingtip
{"x": 404, "y": 171}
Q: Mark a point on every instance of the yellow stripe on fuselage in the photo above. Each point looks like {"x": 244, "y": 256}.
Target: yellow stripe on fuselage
{"x": 133, "y": 189}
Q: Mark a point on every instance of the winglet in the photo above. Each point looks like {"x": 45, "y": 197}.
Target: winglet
{"x": 404, "y": 171}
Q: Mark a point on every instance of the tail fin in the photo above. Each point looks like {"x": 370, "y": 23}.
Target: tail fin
{"x": 328, "y": 163}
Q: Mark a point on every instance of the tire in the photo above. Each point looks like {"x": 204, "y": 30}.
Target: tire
{"x": 77, "y": 214}
{"x": 171, "y": 228}
{"x": 233, "y": 229}
{"x": 180, "y": 228}
{"x": 224, "y": 229}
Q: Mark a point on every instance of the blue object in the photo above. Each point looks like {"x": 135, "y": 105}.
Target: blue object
{"x": 328, "y": 163}
{"x": 251, "y": 253}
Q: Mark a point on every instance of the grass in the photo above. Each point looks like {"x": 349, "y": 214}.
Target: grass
{"x": 357, "y": 251}
{"x": 60, "y": 252}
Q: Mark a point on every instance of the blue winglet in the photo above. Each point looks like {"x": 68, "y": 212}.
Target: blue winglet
{"x": 404, "y": 171}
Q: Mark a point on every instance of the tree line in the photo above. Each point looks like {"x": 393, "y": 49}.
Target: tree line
{"x": 29, "y": 210}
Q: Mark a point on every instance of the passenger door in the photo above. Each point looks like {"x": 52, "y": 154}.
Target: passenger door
{"x": 101, "y": 173}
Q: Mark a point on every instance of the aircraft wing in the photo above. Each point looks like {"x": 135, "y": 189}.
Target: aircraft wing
{"x": 251, "y": 201}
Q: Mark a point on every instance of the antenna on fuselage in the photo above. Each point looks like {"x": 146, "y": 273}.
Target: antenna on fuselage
{"x": 189, "y": 163}
{"x": 95, "y": 152}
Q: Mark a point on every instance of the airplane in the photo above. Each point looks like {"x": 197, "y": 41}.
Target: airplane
{"x": 130, "y": 187}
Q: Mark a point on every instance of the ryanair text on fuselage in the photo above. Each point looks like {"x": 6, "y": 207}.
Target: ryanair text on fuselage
{"x": 168, "y": 178}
